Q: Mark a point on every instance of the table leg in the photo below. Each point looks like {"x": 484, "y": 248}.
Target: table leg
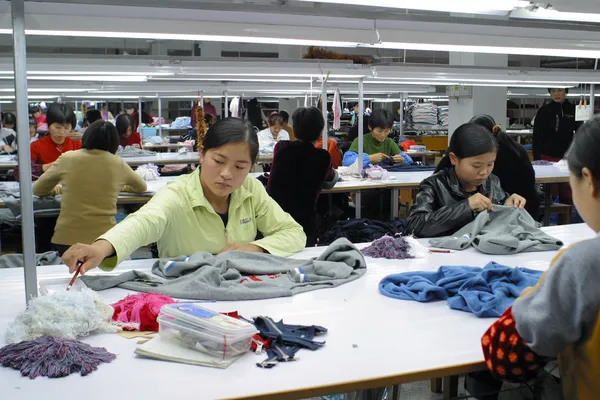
{"x": 357, "y": 204}
{"x": 396, "y": 392}
{"x": 547, "y": 203}
{"x": 394, "y": 204}
{"x": 436, "y": 385}
{"x": 450, "y": 387}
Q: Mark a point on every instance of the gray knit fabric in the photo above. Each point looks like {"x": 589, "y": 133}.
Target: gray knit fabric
{"x": 238, "y": 275}
{"x": 506, "y": 230}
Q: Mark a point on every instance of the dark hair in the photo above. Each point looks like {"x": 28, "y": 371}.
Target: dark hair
{"x": 123, "y": 122}
{"x": 275, "y": 119}
{"x": 34, "y": 109}
{"x": 468, "y": 140}
{"x": 92, "y": 116}
{"x": 308, "y": 124}
{"x": 381, "y": 118}
{"x": 285, "y": 115}
{"x": 565, "y": 89}
{"x": 9, "y": 118}
{"x": 503, "y": 141}
{"x": 60, "y": 113}
{"x": 484, "y": 120}
{"x": 584, "y": 149}
{"x": 231, "y": 130}
{"x": 209, "y": 118}
{"x": 101, "y": 135}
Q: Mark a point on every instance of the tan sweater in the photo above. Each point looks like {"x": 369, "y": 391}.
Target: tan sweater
{"x": 91, "y": 182}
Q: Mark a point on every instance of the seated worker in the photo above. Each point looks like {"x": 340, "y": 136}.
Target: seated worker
{"x": 513, "y": 166}
{"x": 8, "y": 134}
{"x": 91, "y": 181}
{"x": 559, "y": 317}
{"x": 61, "y": 121}
{"x": 377, "y": 146}
{"x": 300, "y": 171}
{"x": 127, "y": 135}
{"x": 217, "y": 208}
{"x": 286, "y": 126}
{"x": 275, "y": 131}
{"x": 333, "y": 149}
{"x": 91, "y": 116}
{"x": 462, "y": 186}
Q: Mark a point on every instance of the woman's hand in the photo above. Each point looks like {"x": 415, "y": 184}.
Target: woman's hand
{"x": 515, "y": 201}
{"x": 398, "y": 159}
{"x": 479, "y": 202}
{"x": 90, "y": 256}
{"x": 250, "y": 248}
{"x": 137, "y": 145}
{"x": 377, "y": 158}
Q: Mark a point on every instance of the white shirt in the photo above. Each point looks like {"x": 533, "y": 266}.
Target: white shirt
{"x": 266, "y": 136}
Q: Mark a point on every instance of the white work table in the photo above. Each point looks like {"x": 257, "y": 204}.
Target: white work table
{"x": 165, "y": 158}
{"x": 373, "y": 340}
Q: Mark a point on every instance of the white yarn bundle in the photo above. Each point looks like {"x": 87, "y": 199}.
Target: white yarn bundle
{"x": 148, "y": 172}
{"x": 65, "y": 314}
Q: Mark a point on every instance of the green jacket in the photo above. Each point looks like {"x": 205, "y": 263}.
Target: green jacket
{"x": 182, "y": 221}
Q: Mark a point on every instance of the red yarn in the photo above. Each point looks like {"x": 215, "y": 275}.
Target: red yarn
{"x": 141, "y": 309}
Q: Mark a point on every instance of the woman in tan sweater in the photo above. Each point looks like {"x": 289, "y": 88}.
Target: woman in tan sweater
{"x": 91, "y": 181}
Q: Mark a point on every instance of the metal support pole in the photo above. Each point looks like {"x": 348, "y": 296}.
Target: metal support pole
{"x": 226, "y": 104}
{"x": 592, "y": 97}
{"x": 27, "y": 221}
{"x": 159, "y": 115}
{"x": 401, "y": 114}
{"x": 324, "y": 111}
{"x": 361, "y": 117}
{"x": 139, "y": 115}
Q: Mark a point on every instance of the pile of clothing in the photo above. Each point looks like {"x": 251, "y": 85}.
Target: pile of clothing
{"x": 422, "y": 116}
{"x": 182, "y": 123}
{"x": 362, "y": 230}
{"x": 443, "y": 116}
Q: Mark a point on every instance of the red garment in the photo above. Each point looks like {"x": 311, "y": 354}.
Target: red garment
{"x": 406, "y": 144}
{"x": 134, "y": 138}
{"x": 506, "y": 354}
{"x": 40, "y": 120}
{"x": 333, "y": 149}
{"x": 45, "y": 151}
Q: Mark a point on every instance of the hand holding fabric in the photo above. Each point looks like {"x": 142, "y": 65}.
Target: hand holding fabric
{"x": 479, "y": 202}
{"x": 250, "y": 248}
{"x": 398, "y": 159}
{"x": 377, "y": 157}
{"x": 515, "y": 201}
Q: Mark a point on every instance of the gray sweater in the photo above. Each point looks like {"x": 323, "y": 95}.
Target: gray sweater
{"x": 506, "y": 230}
{"x": 238, "y": 275}
{"x": 560, "y": 317}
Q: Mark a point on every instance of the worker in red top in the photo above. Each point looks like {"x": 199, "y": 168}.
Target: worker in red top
{"x": 128, "y": 137}
{"x": 61, "y": 121}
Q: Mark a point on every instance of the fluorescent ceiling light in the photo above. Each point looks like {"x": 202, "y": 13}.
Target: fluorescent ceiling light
{"x": 454, "y": 6}
{"x": 49, "y": 90}
{"x": 284, "y": 75}
{"x": 94, "y": 96}
{"x": 109, "y": 78}
{"x": 530, "y": 51}
{"x": 191, "y": 37}
{"x": 237, "y": 79}
{"x": 503, "y": 81}
{"x": 40, "y": 97}
{"x": 554, "y": 15}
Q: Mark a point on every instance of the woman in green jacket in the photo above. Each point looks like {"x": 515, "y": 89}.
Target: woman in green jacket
{"x": 215, "y": 209}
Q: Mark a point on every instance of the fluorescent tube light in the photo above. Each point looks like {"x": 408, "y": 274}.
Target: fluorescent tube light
{"x": 232, "y": 79}
{"x": 454, "y": 6}
{"x": 531, "y": 51}
{"x": 49, "y": 90}
{"x": 109, "y": 78}
{"x": 554, "y": 15}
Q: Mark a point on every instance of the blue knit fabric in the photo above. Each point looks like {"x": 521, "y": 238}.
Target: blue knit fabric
{"x": 486, "y": 292}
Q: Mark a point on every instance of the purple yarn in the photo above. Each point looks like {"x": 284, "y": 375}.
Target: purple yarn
{"x": 390, "y": 248}
{"x": 541, "y": 162}
{"x": 53, "y": 357}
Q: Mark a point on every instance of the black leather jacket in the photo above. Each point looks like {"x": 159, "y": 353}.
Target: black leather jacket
{"x": 442, "y": 205}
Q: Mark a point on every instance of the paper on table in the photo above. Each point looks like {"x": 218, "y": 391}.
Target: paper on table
{"x": 136, "y": 334}
{"x": 161, "y": 349}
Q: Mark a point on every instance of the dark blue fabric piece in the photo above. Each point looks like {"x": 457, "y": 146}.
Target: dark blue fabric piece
{"x": 362, "y": 230}
{"x": 286, "y": 340}
{"x": 486, "y": 292}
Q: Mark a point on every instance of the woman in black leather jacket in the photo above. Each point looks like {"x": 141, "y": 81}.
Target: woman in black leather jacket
{"x": 462, "y": 186}
{"x": 513, "y": 166}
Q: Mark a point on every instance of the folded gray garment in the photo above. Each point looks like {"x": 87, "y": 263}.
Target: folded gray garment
{"x": 236, "y": 275}
{"x": 16, "y": 260}
{"x": 132, "y": 151}
{"x": 506, "y": 230}
{"x": 11, "y": 197}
